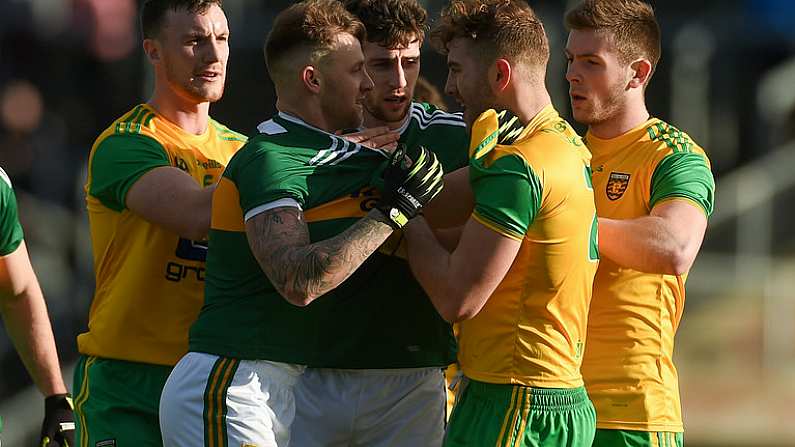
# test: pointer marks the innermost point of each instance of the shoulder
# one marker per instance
(426, 115)
(662, 139)
(225, 133)
(5, 184)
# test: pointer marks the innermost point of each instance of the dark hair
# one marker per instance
(631, 25)
(390, 23)
(313, 24)
(501, 28)
(154, 11)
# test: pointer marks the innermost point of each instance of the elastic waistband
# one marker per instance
(542, 399)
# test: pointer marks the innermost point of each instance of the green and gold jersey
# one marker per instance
(628, 366)
(537, 191)
(10, 229)
(379, 317)
(149, 281)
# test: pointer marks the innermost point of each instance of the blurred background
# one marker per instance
(68, 68)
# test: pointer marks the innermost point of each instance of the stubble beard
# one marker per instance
(378, 112)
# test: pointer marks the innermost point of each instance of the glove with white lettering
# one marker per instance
(410, 182)
(58, 428)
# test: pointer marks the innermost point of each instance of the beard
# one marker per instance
(349, 118)
(602, 110)
(197, 91)
(476, 105)
(376, 109)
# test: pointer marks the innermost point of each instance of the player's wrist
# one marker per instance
(390, 215)
(60, 400)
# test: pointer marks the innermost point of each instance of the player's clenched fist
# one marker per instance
(409, 183)
(58, 428)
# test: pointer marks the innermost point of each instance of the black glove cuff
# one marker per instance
(57, 401)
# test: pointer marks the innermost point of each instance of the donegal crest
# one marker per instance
(616, 185)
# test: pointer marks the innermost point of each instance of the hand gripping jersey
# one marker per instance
(628, 366)
(149, 281)
(10, 230)
(538, 191)
(379, 317)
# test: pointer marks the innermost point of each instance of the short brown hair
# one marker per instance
(631, 26)
(502, 28)
(313, 24)
(153, 12)
(390, 23)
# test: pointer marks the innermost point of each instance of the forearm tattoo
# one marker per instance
(300, 270)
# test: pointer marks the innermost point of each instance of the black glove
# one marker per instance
(58, 428)
(510, 126)
(409, 183)
(492, 128)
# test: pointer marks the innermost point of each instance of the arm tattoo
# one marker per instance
(302, 271)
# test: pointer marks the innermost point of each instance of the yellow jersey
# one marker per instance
(149, 281)
(628, 365)
(531, 331)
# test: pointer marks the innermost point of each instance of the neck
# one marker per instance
(527, 100)
(630, 116)
(190, 116)
(306, 109)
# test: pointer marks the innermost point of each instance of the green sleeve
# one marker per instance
(118, 162)
(10, 229)
(685, 175)
(266, 174)
(507, 194)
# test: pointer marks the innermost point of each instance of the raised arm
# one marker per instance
(170, 198)
(666, 241)
(460, 283)
(302, 271)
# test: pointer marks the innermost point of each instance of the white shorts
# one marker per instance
(370, 408)
(216, 401)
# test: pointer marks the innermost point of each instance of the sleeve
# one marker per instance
(684, 175)
(10, 230)
(118, 162)
(507, 195)
(268, 175)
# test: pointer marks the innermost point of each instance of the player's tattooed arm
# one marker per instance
(302, 271)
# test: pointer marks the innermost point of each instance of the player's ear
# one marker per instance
(499, 75)
(641, 72)
(311, 78)
(152, 50)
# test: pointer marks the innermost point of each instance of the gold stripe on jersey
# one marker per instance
(226, 214)
(356, 205)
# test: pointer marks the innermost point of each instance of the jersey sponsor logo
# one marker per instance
(106, 443)
(616, 185)
(191, 251)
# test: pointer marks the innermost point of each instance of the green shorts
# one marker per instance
(116, 402)
(632, 438)
(489, 414)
